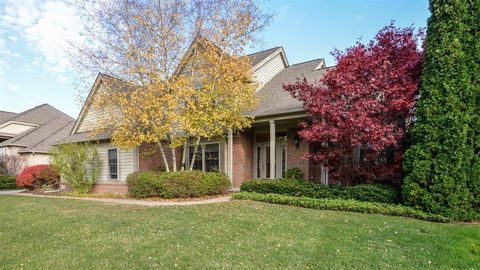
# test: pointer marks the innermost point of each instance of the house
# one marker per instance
(266, 150)
(29, 135)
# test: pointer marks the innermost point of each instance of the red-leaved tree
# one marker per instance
(360, 109)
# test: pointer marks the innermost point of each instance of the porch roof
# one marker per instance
(274, 100)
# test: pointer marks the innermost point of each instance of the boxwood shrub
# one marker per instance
(176, 184)
(7, 181)
(300, 188)
(342, 205)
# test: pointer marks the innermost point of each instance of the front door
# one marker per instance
(262, 159)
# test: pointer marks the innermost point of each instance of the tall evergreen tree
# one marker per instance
(442, 167)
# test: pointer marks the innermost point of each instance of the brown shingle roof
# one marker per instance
(275, 100)
(51, 123)
(257, 57)
(5, 116)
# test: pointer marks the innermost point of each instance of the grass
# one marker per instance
(53, 233)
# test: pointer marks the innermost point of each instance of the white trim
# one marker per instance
(275, 118)
(85, 108)
(272, 149)
(269, 57)
(230, 156)
(18, 123)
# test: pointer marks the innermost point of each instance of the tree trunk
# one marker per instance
(165, 161)
(174, 160)
(184, 155)
(194, 153)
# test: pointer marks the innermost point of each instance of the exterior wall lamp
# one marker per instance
(296, 141)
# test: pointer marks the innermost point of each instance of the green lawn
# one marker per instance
(59, 233)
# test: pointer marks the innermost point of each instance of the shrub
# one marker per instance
(442, 166)
(342, 205)
(35, 177)
(294, 173)
(176, 184)
(7, 181)
(300, 188)
(78, 164)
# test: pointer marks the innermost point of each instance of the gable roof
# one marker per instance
(5, 116)
(39, 115)
(275, 100)
(51, 123)
(257, 57)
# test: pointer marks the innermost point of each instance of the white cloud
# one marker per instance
(5, 84)
(47, 27)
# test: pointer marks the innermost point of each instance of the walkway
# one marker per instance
(125, 201)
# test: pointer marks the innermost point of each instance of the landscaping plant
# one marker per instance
(301, 188)
(77, 163)
(38, 176)
(363, 106)
(7, 181)
(191, 76)
(176, 184)
(342, 205)
(442, 167)
(294, 173)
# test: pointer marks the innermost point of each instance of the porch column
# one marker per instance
(272, 149)
(230, 156)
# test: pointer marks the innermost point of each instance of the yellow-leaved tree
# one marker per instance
(174, 69)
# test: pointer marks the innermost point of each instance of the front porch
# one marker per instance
(268, 149)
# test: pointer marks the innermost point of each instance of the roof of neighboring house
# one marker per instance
(53, 125)
(259, 56)
(275, 100)
(5, 116)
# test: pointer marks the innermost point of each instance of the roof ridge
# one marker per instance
(8, 112)
(307, 61)
(28, 131)
(51, 134)
(277, 47)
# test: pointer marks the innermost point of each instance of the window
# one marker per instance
(197, 165)
(113, 163)
(211, 157)
(207, 158)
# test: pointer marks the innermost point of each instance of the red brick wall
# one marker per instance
(296, 157)
(150, 158)
(110, 187)
(242, 157)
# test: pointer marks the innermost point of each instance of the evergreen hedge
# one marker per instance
(442, 167)
(301, 188)
(7, 181)
(176, 184)
(342, 205)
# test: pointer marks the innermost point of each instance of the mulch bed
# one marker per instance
(121, 196)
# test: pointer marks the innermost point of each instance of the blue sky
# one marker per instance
(34, 68)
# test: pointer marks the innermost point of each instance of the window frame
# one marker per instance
(118, 164)
(201, 153)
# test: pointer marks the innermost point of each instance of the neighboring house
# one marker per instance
(266, 150)
(29, 135)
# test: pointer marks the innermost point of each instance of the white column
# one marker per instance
(230, 156)
(272, 149)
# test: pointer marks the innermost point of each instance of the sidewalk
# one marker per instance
(124, 201)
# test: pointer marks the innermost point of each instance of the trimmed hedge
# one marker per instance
(300, 188)
(342, 205)
(176, 184)
(7, 182)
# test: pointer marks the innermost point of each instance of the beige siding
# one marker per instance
(128, 162)
(92, 117)
(269, 70)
